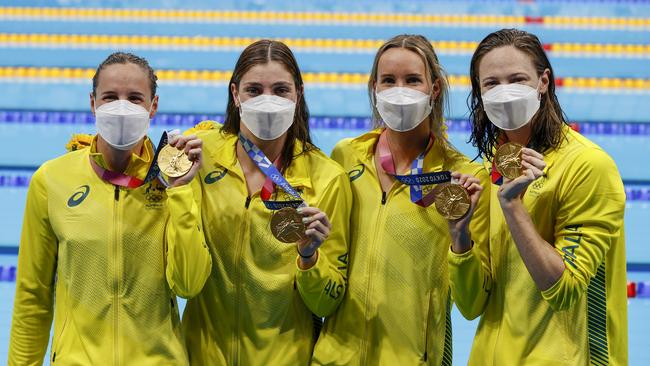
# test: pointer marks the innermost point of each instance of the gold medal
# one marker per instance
(451, 200)
(173, 162)
(287, 225)
(508, 160)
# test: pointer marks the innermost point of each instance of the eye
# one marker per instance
(109, 98)
(282, 90)
(413, 80)
(253, 91)
(519, 78)
(135, 100)
(489, 83)
(388, 80)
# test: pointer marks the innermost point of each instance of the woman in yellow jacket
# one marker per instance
(105, 247)
(550, 289)
(257, 306)
(397, 308)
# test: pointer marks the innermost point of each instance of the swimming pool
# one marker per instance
(604, 67)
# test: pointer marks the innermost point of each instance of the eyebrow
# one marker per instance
(407, 75)
(515, 74)
(256, 84)
(252, 83)
(112, 92)
(282, 83)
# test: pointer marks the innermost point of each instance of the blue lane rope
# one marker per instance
(7, 273)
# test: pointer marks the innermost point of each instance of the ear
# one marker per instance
(435, 90)
(301, 93)
(92, 103)
(154, 107)
(235, 94)
(544, 81)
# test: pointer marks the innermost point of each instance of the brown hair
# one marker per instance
(546, 123)
(421, 46)
(127, 58)
(263, 52)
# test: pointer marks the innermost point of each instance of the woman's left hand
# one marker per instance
(533, 166)
(317, 227)
(474, 189)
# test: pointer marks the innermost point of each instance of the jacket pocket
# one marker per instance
(57, 337)
(426, 306)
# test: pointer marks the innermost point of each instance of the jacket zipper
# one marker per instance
(503, 258)
(116, 279)
(248, 202)
(371, 265)
(238, 282)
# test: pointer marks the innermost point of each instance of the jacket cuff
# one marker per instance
(459, 259)
(313, 268)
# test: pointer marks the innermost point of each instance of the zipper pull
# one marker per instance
(383, 198)
(117, 193)
(248, 202)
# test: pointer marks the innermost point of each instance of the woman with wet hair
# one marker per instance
(551, 287)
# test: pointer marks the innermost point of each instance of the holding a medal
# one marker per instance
(414, 194)
(275, 212)
(553, 277)
(106, 247)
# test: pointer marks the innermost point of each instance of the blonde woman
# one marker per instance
(397, 307)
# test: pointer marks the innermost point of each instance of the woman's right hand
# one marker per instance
(193, 147)
(533, 166)
(459, 228)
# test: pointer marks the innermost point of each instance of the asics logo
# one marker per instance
(79, 196)
(355, 173)
(214, 176)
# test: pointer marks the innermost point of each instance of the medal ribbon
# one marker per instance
(273, 178)
(416, 179)
(123, 180)
(496, 177)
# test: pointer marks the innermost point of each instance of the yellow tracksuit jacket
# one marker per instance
(397, 307)
(256, 307)
(107, 264)
(578, 208)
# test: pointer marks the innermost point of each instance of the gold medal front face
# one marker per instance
(173, 162)
(508, 160)
(287, 225)
(451, 200)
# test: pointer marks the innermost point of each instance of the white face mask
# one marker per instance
(510, 106)
(267, 116)
(121, 123)
(402, 109)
